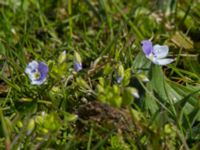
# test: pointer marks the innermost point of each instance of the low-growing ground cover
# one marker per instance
(100, 74)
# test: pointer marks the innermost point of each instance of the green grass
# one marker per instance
(107, 36)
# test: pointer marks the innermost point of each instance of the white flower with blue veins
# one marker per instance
(157, 53)
(37, 72)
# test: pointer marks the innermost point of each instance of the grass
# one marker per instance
(89, 109)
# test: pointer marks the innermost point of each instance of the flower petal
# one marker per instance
(43, 70)
(32, 66)
(37, 82)
(163, 62)
(147, 47)
(160, 51)
(78, 66)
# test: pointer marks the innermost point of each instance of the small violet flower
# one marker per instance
(37, 72)
(77, 66)
(156, 53)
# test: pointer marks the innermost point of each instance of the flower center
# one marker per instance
(151, 56)
(37, 75)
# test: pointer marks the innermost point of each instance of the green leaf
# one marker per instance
(141, 62)
(149, 100)
(186, 93)
(157, 81)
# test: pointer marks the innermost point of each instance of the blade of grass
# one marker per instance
(70, 19)
(90, 139)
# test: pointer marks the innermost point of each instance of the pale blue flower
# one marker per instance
(37, 72)
(156, 53)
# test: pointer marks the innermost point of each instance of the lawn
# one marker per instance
(100, 74)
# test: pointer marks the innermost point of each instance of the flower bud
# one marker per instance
(134, 92)
(77, 62)
(62, 57)
(143, 77)
(82, 83)
(120, 73)
(31, 126)
(77, 57)
(19, 124)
